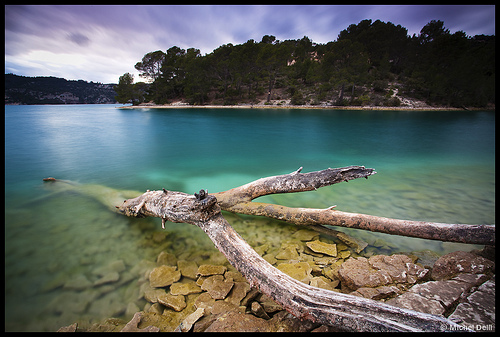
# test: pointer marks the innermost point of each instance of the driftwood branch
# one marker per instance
(239, 200)
(343, 311)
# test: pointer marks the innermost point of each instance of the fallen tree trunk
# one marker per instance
(239, 200)
(343, 311)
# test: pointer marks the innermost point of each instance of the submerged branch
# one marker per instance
(239, 200)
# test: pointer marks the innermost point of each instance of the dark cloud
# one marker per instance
(79, 39)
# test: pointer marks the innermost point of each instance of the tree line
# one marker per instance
(366, 62)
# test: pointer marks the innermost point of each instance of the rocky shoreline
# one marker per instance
(188, 292)
(408, 105)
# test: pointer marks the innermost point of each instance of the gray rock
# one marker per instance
(449, 265)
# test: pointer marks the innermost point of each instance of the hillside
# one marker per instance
(370, 64)
(53, 90)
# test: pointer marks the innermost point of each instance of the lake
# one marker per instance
(431, 166)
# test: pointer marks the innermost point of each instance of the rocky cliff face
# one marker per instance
(52, 90)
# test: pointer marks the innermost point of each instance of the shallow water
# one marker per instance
(434, 166)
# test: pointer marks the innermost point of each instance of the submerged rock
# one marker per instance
(163, 276)
(300, 271)
(322, 247)
(188, 268)
(208, 269)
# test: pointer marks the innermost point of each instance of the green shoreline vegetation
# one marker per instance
(371, 65)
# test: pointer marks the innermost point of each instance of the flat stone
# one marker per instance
(413, 301)
(163, 276)
(300, 271)
(188, 322)
(449, 265)
(208, 269)
(79, 282)
(217, 287)
(305, 235)
(400, 268)
(287, 253)
(238, 293)
(357, 273)
(323, 282)
(258, 310)
(176, 302)
(445, 292)
(108, 278)
(350, 241)
(204, 301)
(268, 304)
(151, 294)
(185, 288)
(223, 306)
(167, 259)
(478, 310)
(188, 268)
(236, 276)
(380, 270)
(116, 266)
(234, 321)
(322, 247)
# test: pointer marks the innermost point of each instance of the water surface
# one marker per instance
(432, 166)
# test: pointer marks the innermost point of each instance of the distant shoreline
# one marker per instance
(323, 107)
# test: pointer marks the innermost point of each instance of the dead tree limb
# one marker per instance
(239, 200)
(346, 312)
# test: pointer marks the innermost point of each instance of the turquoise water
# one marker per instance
(433, 166)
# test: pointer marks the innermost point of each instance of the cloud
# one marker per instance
(101, 43)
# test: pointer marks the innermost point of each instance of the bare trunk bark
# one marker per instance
(346, 312)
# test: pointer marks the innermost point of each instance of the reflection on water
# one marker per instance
(70, 259)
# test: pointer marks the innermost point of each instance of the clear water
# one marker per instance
(433, 166)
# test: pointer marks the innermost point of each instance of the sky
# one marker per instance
(101, 43)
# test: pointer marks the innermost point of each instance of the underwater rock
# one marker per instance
(204, 301)
(287, 252)
(209, 269)
(238, 292)
(454, 263)
(188, 322)
(323, 282)
(355, 243)
(322, 247)
(79, 282)
(188, 268)
(166, 259)
(108, 278)
(163, 276)
(300, 271)
(176, 302)
(258, 310)
(185, 288)
(235, 321)
(305, 235)
(217, 287)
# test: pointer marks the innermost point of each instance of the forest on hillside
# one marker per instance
(367, 63)
(54, 90)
